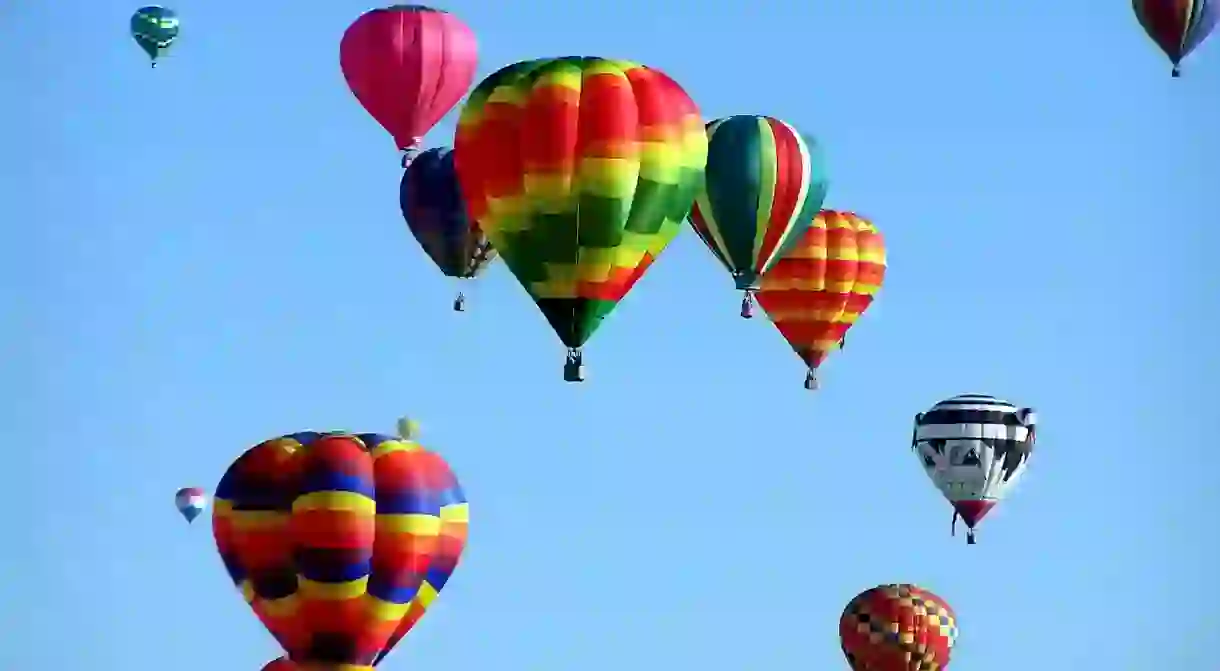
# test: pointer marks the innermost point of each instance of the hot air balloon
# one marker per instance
(339, 541)
(580, 171)
(408, 65)
(432, 204)
(897, 628)
(823, 285)
(974, 447)
(190, 501)
(154, 28)
(280, 664)
(764, 184)
(451, 542)
(1178, 27)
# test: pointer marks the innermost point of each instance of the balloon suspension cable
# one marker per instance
(1177, 72)
(574, 367)
(747, 305)
(811, 381)
(459, 303)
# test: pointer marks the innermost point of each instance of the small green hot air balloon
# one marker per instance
(154, 28)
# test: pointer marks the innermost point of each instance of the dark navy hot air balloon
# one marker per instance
(435, 212)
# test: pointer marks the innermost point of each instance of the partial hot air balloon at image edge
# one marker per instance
(386, 71)
(1176, 27)
(406, 489)
(575, 282)
(823, 285)
(154, 28)
(974, 448)
(435, 212)
(764, 183)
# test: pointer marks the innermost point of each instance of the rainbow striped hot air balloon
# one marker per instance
(580, 171)
(827, 280)
(763, 185)
(339, 541)
(191, 502)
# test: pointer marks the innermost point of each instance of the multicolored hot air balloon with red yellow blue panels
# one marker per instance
(764, 183)
(826, 281)
(580, 171)
(339, 541)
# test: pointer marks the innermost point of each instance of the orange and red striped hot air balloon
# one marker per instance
(823, 285)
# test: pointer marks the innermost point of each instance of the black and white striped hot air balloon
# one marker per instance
(974, 448)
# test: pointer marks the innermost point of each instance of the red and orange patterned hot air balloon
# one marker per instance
(897, 628)
(408, 65)
(339, 541)
(823, 285)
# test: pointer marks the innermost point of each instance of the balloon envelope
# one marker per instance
(191, 502)
(335, 538)
(827, 280)
(434, 210)
(974, 448)
(764, 184)
(408, 65)
(1177, 27)
(154, 28)
(897, 628)
(580, 171)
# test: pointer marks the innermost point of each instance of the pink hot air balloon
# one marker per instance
(408, 65)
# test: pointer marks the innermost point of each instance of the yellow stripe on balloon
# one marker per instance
(384, 611)
(394, 446)
(413, 523)
(456, 512)
(332, 500)
(332, 591)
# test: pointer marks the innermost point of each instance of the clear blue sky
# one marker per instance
(209, 254)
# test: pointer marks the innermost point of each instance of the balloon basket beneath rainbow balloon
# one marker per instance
(459, 303)
(811, 381)
(574, 367)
